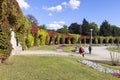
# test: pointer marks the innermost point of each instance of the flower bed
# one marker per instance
(100, 68)
(59, 48)
(117, 74)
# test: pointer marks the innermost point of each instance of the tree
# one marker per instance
(105, 29)
(63, 30)
(32, 19)
(85, 28)
(95, 31)
(75, 28)
(51, 30)
(34, 24)
(115, 30)
(42, 27)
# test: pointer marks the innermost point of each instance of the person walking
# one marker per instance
(81, 51)
(90, 49)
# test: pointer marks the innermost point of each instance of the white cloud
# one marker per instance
(57, 8)
(56, 25)
(61, 22)
(73, 4)
(50, 14)
(23, 4)
(64, 3)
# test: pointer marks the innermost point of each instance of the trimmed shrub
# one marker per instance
(101, 39)
(42, 37)
(96, 40)
(74, 38)
(30, 40)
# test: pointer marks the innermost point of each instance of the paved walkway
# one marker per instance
(98, 53)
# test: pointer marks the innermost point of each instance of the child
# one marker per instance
(81, 51)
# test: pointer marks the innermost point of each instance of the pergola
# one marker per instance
(57, 38)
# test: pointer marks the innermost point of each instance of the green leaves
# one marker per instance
(42, 36)
(30, 41)
(11, 16)
(105, 29)
(5, 46)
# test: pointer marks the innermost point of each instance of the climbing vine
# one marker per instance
(42, 36)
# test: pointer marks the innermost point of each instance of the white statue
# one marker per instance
(13, 39)
(16, 49)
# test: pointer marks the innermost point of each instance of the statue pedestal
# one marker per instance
(16, 50)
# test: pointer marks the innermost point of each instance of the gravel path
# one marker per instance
(98, 53)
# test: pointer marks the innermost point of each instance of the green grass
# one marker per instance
(45, 47)
(111, 67)
(49, 68)
(69, 48)
(114, 49)
(54, 48)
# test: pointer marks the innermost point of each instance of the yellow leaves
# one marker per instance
(1, 55)
(42, 36)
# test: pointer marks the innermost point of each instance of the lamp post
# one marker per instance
(91, 37)
(67, 38)
(67, 30)
(90, 46)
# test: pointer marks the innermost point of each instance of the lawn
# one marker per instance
(114, 49)
(45, 47)
(49, 68)
(65, 48)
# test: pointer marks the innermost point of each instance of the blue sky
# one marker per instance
(56, 13)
